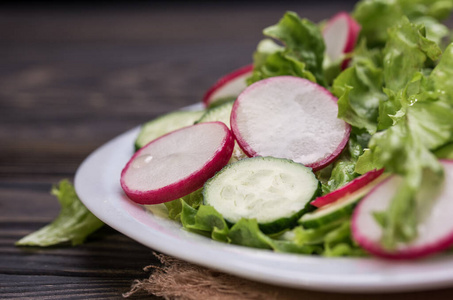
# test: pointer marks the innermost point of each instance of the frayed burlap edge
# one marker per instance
(181, 280)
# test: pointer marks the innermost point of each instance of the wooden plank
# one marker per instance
(178, 22)
(63, 287)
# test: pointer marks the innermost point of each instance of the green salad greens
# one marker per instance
(74, 223)
(397, 95)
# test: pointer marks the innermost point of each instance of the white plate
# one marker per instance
(97, 184)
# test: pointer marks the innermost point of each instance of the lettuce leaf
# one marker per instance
(344, 168)
(442, 76)
(206, 220)
(339, 242)
(435, 31)
(246, 232)
(377, 16)
(74, 223)
(279, 64)
(419, 119)
(334, 239)
(437, 9)
(359, 90)
(445, 152)
(175, 207)
(302, 54)
(406, 52)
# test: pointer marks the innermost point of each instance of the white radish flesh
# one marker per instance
(289, 117)
(340, 36)
(230, 85)
(435, 227)
(178, 163)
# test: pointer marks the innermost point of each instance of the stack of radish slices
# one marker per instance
(283, 117)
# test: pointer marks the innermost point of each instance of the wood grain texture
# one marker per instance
(72, 79)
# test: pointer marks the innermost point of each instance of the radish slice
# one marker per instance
(289, 117)
(340, 36)
(229, 86)
(178, 163)
(356, 188)
(435, 228)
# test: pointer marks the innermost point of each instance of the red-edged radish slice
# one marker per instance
(289, 117)
(230, 85)
(340, 36)
(435, 228)
(178, 163)
(358, 187)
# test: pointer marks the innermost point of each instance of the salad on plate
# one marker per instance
(336, 141)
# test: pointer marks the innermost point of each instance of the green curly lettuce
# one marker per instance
(73, 225)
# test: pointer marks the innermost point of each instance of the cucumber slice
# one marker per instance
(165, 124)
(222, 113)
(219, 113)
(274, 191)
(221, 101)
(329, 213)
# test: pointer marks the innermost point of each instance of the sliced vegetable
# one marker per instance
(177, 164)
(165, 124)
(222, 113)
(357, 187)
(434, 221)
(340, 36)
(273, 191)
(228, 87)
(289, 117)
(335, 211)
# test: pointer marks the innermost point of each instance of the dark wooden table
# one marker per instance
(72, 78)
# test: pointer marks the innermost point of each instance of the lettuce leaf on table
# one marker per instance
(74, 223)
